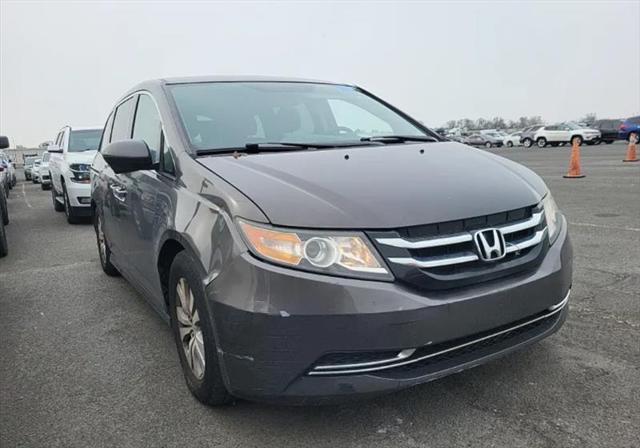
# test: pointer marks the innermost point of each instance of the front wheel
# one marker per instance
(488, 145)
(72, 217)
(103, 248)
(527, 143)
(510, 144)
(193, 332)
(541, 142)
(57, 206)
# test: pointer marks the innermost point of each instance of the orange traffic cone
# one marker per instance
(574, 162)
(631, 150)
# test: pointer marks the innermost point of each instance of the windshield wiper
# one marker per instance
(254, 148)
(398, 138)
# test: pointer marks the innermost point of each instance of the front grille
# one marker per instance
(444, 255)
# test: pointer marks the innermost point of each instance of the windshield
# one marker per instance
(86, 140)
(571, 125)
(226, 115)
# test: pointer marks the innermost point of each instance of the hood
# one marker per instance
(379, 187)
(85, 157)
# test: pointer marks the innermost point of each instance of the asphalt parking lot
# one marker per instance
(84, 361)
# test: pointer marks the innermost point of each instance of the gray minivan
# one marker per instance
(309, 242)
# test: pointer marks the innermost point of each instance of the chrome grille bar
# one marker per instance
(434, 262)
(535, 239)
(528, 223)
(424, 244)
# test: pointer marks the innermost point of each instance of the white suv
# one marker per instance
(562, 133)
(71, 157)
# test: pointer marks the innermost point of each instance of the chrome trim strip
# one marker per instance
(554, 309)
(533, 221)
(434, 262)
(423, 244)
(400, 356)
(535, 239)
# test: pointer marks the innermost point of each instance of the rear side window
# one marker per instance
(634, 120)
(122, 121)
(147, 125)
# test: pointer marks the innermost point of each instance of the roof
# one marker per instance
(238, 78)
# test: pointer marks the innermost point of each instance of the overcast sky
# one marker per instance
(67, 63)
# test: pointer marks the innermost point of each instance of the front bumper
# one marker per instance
(274, 324)
(79, 194)
(591, 137)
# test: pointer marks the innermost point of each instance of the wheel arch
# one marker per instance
(171, 244)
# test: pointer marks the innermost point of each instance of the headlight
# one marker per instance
(337, 253)
(79, 172)
(552, 215)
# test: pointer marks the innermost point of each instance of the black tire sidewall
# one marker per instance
(105, 263)
(210, 389)
(4, 247)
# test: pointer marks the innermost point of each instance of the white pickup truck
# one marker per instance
(71, 157)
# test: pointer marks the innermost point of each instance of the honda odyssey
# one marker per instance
(309, 242)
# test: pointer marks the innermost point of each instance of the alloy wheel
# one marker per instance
(189, 329)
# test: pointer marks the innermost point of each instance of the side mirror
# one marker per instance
(54, 148)
(127, 156)
(4, 142)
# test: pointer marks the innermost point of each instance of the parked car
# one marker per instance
(528, 135)
(44, 176)
(4, 211)
(512, 140)
(608, 130)
(630, 127)
(563, 133)
(69, 163)
(35, 171)
(243, 210)
(5, 177)
(7, 163)
(28, 165)
(486, 140)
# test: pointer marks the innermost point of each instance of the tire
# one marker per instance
(527, 143)
(488, 145)
(57, 206)
(541, 142)
(577, 139)
(72, 218)
(510, 144)
(44, 187)
(104, 253)
(205, 383)
(4, 209)
(632, 134)
(555, 145)
(4, 247)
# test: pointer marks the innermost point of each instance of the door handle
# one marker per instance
(119, 192)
